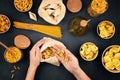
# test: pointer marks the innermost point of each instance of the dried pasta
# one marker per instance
(111, 58)
(4, 23)
(54, 31)
(62, 55)
(106, 29)
(47, 53)
(23, 5)
(88, 51)
(99, 6)
(13, 55)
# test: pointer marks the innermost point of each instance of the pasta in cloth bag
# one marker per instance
(47, 53)
(52, 11)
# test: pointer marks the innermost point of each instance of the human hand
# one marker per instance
(72, 64)
(35, 58)
(35, 55)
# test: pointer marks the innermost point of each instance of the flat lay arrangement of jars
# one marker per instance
(88, 28)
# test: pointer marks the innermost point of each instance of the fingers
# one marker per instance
(67, 52)
(59, 47)
(61, 53)
(32, 51)
(38, 54)
(39, 43)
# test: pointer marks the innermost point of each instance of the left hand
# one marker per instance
(35, 55)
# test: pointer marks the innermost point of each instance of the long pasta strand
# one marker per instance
(54, 31)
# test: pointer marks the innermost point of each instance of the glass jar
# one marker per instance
(97, 7)
(77, 27)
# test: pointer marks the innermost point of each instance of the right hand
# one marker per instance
(72, 65)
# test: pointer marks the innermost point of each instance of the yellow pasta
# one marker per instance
(62, 55)
(99, 6)
(109, 65)
(13, 55)
(47, 53)
(107, 59)
(106, 29)
(117, 56)
(115, 61)
(88, 51)
(111, 58)
(118, 67)
(54, 31)
(23, 5)
(114, 49)
(4, 23)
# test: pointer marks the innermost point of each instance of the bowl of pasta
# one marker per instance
(111, 58)
(89, 51)
(13, 54)
(106, 29)
(23, 5)
(4, 23)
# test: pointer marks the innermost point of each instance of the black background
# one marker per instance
(93, 69)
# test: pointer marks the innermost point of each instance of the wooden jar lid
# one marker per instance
(22, 42)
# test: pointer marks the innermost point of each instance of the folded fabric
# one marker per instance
(52, 11)
(49, 43)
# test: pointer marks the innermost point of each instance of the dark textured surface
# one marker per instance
(93, 69)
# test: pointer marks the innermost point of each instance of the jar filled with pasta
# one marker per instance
(97, 7)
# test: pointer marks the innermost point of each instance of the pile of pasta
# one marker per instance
(4, 23)
(89, 51)
(111, 58)
(47, 53)
(13, 55)
(62, 55)
(99, 6)
(106, 29)
(23, 5)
